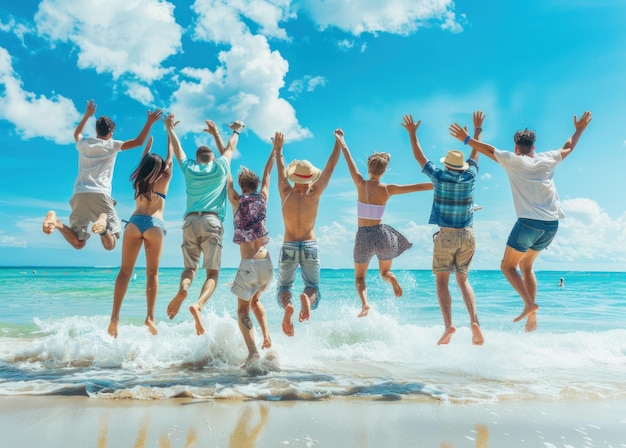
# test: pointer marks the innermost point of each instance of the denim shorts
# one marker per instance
(532, 234)
(303, 254)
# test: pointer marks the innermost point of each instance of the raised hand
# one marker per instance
(410, 125)
(154, 116)
(170, 121)
(479, 117)
(581, 124)
(91, 108)
(211, 127)
(458, 132)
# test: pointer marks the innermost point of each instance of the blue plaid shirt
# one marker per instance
(453, 195)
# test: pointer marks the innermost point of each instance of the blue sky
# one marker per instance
(306, 68)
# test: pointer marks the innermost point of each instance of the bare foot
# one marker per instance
(531, 322)
(174, 306)
(445, 339)
(364, 311)
(195, 312)
(113, 328)
(527, 310)
(397, 289)
(477, 335)
(305, 311)
(50, 222)
(287, 324)
(100, 226)
(151, 326)
(267, 342)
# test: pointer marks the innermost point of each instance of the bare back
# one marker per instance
(300, 204)
(154, 207)
(373, 192)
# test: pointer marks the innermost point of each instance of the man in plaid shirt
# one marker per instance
(453, 212)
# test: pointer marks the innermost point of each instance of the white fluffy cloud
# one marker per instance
(116, 36)
(373, 16)
(34, 115)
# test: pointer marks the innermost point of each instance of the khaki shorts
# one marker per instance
(254, 275)
(87, 207)
(453, 250)
(202, 235)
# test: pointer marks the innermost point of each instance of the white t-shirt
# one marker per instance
(532, 184)
(96, 161)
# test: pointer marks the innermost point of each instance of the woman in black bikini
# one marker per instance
(373, 237)
(151, 180)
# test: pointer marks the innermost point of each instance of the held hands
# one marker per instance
(409, 124)
(340, 137)
(581, 124)
(170, 122)
(279, 139)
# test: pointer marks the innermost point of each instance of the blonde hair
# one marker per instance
(377, 162)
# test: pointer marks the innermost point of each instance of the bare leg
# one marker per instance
(259, 312)
(153, 242)
(285, 300)
(131, 244)
(208, 287)
(307, 299)
(384, 266)
(185, 282)
(530, 281)
(360, 272)
(445, 304)
(100, 225)
(470, 304)
(245, 326)
(51, 222)
(508, 266)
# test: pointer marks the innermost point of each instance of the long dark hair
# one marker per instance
(149, 171)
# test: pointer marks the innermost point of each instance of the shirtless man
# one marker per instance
(300, 204)
(92, 201)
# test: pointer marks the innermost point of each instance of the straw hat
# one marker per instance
(455, 160)
(302, 172)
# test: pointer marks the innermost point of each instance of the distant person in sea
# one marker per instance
(151, 180)
(300, 204)
(562, 282)
(373, 237)
(453, 211)
(256, 271)
(536, 201)
(92, 201)
(205, 182)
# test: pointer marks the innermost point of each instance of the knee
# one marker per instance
(79, 244)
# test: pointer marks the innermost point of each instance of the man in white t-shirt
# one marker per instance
(92, 201)
(537, 205)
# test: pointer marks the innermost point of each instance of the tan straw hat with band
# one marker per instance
(302, 172)
(455, 160)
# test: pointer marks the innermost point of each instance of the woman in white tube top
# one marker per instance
(373, 237)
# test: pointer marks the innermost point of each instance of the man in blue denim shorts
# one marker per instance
(537, 205)
(453, 211)
(206, 186)
(300, 204)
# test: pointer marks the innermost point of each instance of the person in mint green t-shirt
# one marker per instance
(206, 186)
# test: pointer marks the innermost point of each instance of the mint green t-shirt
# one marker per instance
(206, 185)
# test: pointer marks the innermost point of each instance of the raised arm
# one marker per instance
(330, 167)
(233, 196)
(148, 147)
(276, 147)
(228, 152)
(153, 117)
(410, 188)
(91, 109)
(411, 128)
(479, 117)
(461, 133)
(211, 128)
(172, 138)
(283, 183)
(357, 178)
(580, 126)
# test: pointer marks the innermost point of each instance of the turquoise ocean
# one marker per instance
(53, 340)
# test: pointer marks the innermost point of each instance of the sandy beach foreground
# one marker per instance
(82, 422)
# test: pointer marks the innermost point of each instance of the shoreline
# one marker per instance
(62, 421)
